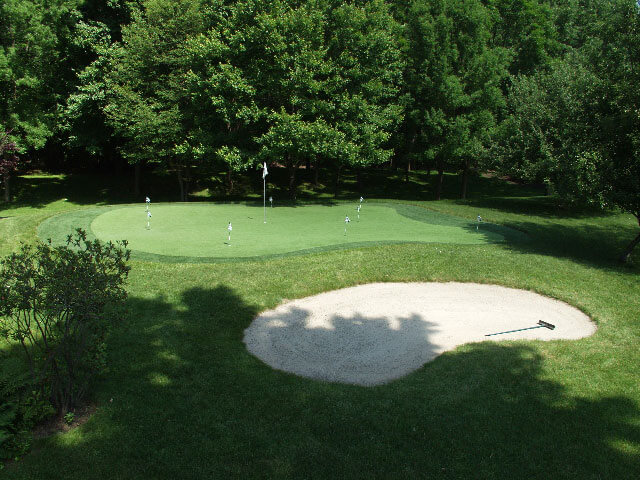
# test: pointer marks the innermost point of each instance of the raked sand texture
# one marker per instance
(372, 334)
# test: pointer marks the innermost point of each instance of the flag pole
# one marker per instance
(264, 190)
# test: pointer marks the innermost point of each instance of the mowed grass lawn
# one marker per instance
(198, 231)
(184, 399)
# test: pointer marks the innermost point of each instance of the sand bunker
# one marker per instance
(372, 334)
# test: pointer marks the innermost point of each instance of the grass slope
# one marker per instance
(183, 398)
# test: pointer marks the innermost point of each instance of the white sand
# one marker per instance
(372, 334)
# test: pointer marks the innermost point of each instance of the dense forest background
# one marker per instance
(544, 91)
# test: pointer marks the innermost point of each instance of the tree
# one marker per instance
(527, 29)
(146, 87)
(613, 46)
(454, 78)
(328, 84)
(551, 134)
(8, 162)
(576, 127)
(35, 68)
(85, 123)
(221, 87)
(58, 303)
(365, 48)
(292, 76)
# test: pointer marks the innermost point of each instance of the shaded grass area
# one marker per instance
(190, 402)
(184, 399)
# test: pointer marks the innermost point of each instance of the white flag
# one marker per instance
(264, 170)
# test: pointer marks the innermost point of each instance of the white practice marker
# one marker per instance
(148, 219)
(479, 220)
(361, 199)
(271, 201)
(346, 222)
(229, 228)
(358, 209)
(148, 201)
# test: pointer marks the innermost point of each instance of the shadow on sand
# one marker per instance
(356, 350)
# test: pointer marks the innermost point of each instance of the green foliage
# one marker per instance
(526, 28)
(612, 53)
(22, 406)
(35, 67)
(69, 417)
(58, 304)
(331, 90)
(547, 136)
(576, 126)
(252, 81)
(454, 77)
(146, 86)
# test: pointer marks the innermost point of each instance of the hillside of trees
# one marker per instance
(544, 91)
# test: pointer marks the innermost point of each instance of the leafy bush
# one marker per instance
(22, 406)
(58, 304)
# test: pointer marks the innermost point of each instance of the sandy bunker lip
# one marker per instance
(372, 334)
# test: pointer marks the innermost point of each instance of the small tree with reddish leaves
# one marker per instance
(8, 162)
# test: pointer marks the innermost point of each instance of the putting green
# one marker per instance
(198, 232)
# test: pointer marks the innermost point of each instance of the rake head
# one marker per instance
(544, 324)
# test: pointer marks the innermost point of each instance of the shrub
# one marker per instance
(22, 406)
(58, 304)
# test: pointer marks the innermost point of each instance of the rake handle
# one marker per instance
(541, 324)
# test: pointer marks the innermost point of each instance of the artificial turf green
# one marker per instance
(198, 231)
(184, 399)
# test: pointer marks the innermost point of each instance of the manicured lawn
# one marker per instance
(184, 399)
(199, 230)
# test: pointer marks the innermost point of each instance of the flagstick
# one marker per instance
(264, 190)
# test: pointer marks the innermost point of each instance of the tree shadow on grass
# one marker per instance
(40, 191)
(597, 246)
(84, 189)
(184, 399)
(537, 204)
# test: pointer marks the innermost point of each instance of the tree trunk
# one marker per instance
(181, 184)
(292, 181)
(337, 184)
(316, 171)
(409, 154)
(465, 180)
(627, 251)
(136, 178)
(117, 163)
(7, 191)
(439, 183)
(230, 180)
